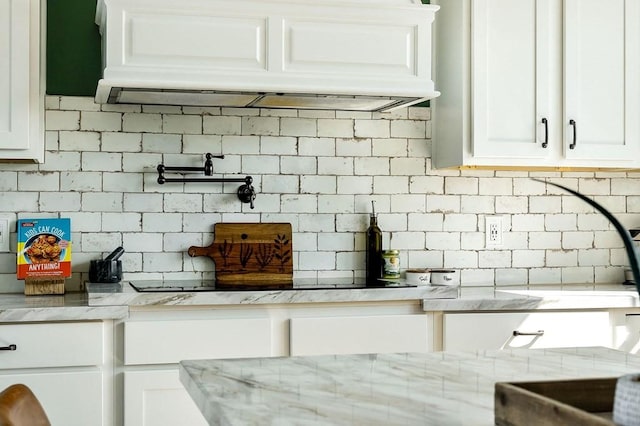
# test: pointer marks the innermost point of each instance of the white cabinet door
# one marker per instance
(476, 331)
(351, 335)
(157, 398)
(70, 398)
(537, 83)
(512, 77)
(601, 79)
(21, 82)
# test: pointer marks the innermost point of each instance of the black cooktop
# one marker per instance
(155, 286)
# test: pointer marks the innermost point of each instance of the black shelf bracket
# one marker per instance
(246, 193)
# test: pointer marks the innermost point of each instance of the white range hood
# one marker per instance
(362, 55)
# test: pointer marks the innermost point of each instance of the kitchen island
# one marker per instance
(441, 388)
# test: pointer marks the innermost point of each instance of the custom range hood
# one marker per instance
(360, 55)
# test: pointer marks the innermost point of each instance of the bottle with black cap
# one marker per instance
(374, 249)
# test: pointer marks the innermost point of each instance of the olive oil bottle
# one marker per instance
(374, 249)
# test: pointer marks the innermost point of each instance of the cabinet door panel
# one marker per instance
(476, 331)
(601, 79)
(68, 398)
(165, 342)
(349, 335)
(21, 85)
(511, 66)
(157, 398)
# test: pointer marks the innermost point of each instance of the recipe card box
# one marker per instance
(44, 248)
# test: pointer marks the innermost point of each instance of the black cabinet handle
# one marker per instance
(8, 348)
(546, 132)
(572, 123)
(532, 333)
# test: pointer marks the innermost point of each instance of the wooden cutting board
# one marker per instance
(255, 254)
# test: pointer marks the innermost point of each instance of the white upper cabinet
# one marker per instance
(537, 84)
(21, 81)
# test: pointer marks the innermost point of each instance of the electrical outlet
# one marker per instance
(4, 234)
(493, 231)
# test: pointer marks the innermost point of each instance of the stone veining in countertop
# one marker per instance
(124, 294)
(440, 388)
(68, 307)
(541, 297)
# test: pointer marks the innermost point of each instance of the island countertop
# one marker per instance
(440, 388)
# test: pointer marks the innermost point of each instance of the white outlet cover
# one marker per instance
(493, 231)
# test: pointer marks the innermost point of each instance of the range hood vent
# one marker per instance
(357, 55)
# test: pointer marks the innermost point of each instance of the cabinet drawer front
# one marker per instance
(68, 398)
(164, 342)
(476, 331)
(348, 335)
(51, 344)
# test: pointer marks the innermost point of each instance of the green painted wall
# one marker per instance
(73, 48)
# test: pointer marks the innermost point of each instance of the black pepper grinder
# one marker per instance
(374, 249)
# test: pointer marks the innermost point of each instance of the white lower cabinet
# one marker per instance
(158, 398)
(509, 330)
(362, 334)
(153, 393)
(62, 364)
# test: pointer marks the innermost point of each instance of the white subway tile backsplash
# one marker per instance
(408, 129)
(333, 128)
(59, 202)
(408, 166)
(187, 203)
(545, 240)
(78, 141)
(268, 126)
(123, 222)
(577, 275)
(317, 260)
(385, 147)
(461, 185)
(528, 258)
(545, 276)
(62, 120)
(19, 201)
(121, 142)
(101, 121)
(316, 147)
(39, 181)
(313, 184)
(138, 122)
(371, 128)
(461, 259)
(102, 202)
(319, 171)
(335, 203)
(390, 184)
(354, 185)
(81, 181)
(161, 222)
(162, 262)
(560, 222)
(496, 186)
(298, 127)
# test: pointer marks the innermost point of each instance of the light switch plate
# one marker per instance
(5, 233)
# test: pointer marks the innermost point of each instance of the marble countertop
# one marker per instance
(441, 388)
(539, 297)
(113, 301)
(124, 294)
(67, 307)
